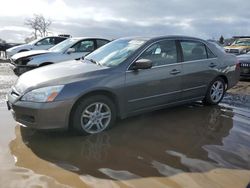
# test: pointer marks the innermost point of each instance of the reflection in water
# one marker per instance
(191, 138)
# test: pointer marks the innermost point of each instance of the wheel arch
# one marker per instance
(23, 50)
(225, 80)
(113, 97)
(45, 63)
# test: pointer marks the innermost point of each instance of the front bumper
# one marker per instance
(43, 116)
(20, 69)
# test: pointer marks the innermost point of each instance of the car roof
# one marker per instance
(155, 38)
(80, 38)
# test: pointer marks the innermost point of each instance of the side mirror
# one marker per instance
(70, 50)
(142, 64)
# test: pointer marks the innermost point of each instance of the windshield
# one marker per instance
(116, 52)
(242, 43)
(61, 47)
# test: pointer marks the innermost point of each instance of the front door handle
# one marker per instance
(175, 71)
(212, 65)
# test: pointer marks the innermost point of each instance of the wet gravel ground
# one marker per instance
(187, 146)
(7, 79)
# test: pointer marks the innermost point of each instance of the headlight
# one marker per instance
(46, 94)
(244, 51)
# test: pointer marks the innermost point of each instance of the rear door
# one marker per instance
(158, 85)
(199, 68)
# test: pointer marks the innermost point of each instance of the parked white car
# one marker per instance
(70, 49)
(38, 44)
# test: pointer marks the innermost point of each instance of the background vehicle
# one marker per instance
(123, 78)
(4, 46)
(244, 61)
(239, 46)
(39, 44)
(70, 49)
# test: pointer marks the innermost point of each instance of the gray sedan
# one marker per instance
(126, 77)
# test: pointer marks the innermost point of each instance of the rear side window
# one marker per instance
(161, 53)
(193, 50)
(210, 53)
(59, 39)
(100, 42)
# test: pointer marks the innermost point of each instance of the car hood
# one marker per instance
(29, 53)
(19, 47)
(56, 74)
(237, 47)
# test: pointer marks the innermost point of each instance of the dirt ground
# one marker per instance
(242, 88)
(190, 146)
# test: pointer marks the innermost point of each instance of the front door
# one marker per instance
(159, 85)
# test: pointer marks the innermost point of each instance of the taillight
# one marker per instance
(237, 64)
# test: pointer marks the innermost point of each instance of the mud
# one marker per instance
(188, 146)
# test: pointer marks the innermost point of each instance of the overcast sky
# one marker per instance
(118, 18)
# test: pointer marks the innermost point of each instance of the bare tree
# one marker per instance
(39, 24)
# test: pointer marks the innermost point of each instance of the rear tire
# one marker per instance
(93, 115)
(215, 92)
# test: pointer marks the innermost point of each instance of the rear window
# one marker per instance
(100, 42)
(59, 39)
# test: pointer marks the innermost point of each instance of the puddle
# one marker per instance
(188, 146)
(191, 138)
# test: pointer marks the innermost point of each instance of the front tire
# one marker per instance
(93, 115)
(215, 92)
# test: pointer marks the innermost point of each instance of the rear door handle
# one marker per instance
(175, 71)
(212, 65)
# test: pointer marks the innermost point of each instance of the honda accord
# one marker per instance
(123, 78)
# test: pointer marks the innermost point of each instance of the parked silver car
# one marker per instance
(38, 44)
(123, 78)
(70, 49)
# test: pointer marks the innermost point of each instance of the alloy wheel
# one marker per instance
(96, 117)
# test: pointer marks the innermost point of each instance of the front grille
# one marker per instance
(245, 65)
(234, 51)
(22, 61)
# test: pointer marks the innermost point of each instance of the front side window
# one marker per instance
(46, 41)
(161, 53)
(84, 46)
(116, 52)
(210, 53)
(193, 50)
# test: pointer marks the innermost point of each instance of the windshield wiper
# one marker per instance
(93, 61)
